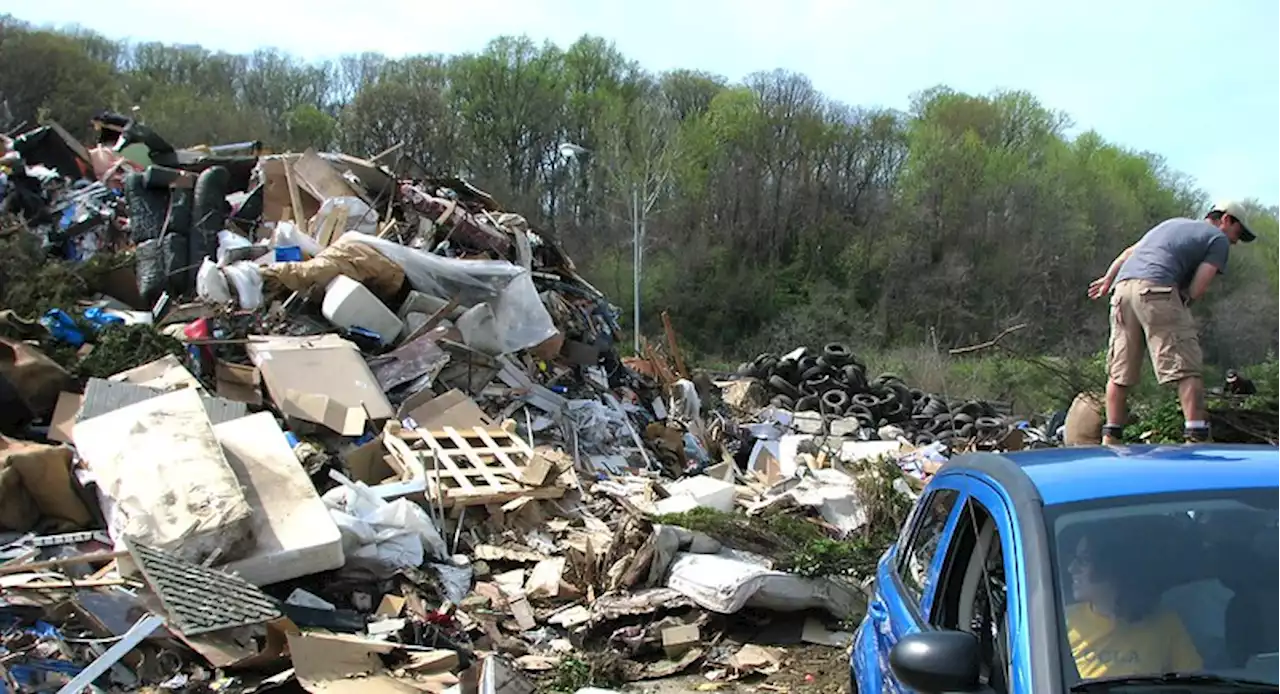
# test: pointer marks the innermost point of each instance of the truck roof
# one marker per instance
(1065, 475)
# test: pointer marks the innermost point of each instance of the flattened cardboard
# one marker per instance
(321, 379)
(64, 416)
(238, 382)
(452, 409)
(165, 374)
(367, 463)
(322, 409)
(332, 664)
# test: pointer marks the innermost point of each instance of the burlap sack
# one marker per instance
(1084, 421)
(356, 260)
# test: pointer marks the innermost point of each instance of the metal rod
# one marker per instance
(635, 269)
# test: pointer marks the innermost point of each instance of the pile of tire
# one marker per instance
(833, 382)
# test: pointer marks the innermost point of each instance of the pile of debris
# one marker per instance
(829, 392)
(326, 426)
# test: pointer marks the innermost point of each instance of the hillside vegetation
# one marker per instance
(773, 215)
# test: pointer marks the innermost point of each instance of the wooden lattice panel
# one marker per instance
(478, 466)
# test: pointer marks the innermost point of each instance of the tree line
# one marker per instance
(772, 214)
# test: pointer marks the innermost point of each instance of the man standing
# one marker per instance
(1154, 282)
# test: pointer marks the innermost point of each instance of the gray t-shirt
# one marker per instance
(1170, 253)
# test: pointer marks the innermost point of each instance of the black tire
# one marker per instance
(837, 354)
(895, 413)
(934, 407)
(817, 371)
(924, 438)
(787, 369)
(783, 402)
(904, 396)
(962, 419)
(965, 432)
(781, 386)
(819, 385)
(888, 377)
(746, 370)
(973, 408)
(867, 401)
(807, 362)
(989, 423)
(855, 378)
(768, 367)
(808, 403)
(835, 400)
(856, 410)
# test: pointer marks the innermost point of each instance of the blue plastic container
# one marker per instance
(289, 254)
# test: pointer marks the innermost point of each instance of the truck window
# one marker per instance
(914, 561)
(972, 592)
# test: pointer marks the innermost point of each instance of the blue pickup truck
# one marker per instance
(1126, 569)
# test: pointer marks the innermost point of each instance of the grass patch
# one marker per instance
(603, 670)
(120, 347)
(805, 547)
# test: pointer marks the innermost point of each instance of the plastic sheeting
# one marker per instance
(211, 285)
(214, 283)
(382, 536)
(519, 321)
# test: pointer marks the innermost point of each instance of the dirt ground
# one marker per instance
(807, 669)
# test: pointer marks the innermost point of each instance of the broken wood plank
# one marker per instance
(91, 557)
(295, 198)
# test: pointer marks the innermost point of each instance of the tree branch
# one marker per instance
(989, 343)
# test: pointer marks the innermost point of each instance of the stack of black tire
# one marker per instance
(834, 383)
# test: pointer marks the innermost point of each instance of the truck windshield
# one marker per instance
(1168, 583)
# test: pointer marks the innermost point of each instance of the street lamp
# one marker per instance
(569, 150)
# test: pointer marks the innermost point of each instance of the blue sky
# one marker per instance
(1196, 81)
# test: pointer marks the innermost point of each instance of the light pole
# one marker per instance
(569, 150)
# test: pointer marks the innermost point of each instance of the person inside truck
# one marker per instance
(1116, 626)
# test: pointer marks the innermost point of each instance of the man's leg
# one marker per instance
(1191, 397)
(1117, 411)
(1176, 356)
(1124, 361)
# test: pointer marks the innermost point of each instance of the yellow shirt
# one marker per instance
(1107, 647)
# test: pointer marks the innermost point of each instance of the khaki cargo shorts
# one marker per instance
(1143, 311)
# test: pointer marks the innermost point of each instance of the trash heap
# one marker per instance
(309, 424)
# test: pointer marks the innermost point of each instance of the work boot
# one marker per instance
(1112, 435)
(1196, 435)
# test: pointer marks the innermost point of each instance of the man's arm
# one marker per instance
(1200, 282)
(1102, 285)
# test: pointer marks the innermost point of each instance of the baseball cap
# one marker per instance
(1237, 211)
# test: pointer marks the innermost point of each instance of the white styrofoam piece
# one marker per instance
(705, 491)
(296, 535)
(349, 304)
